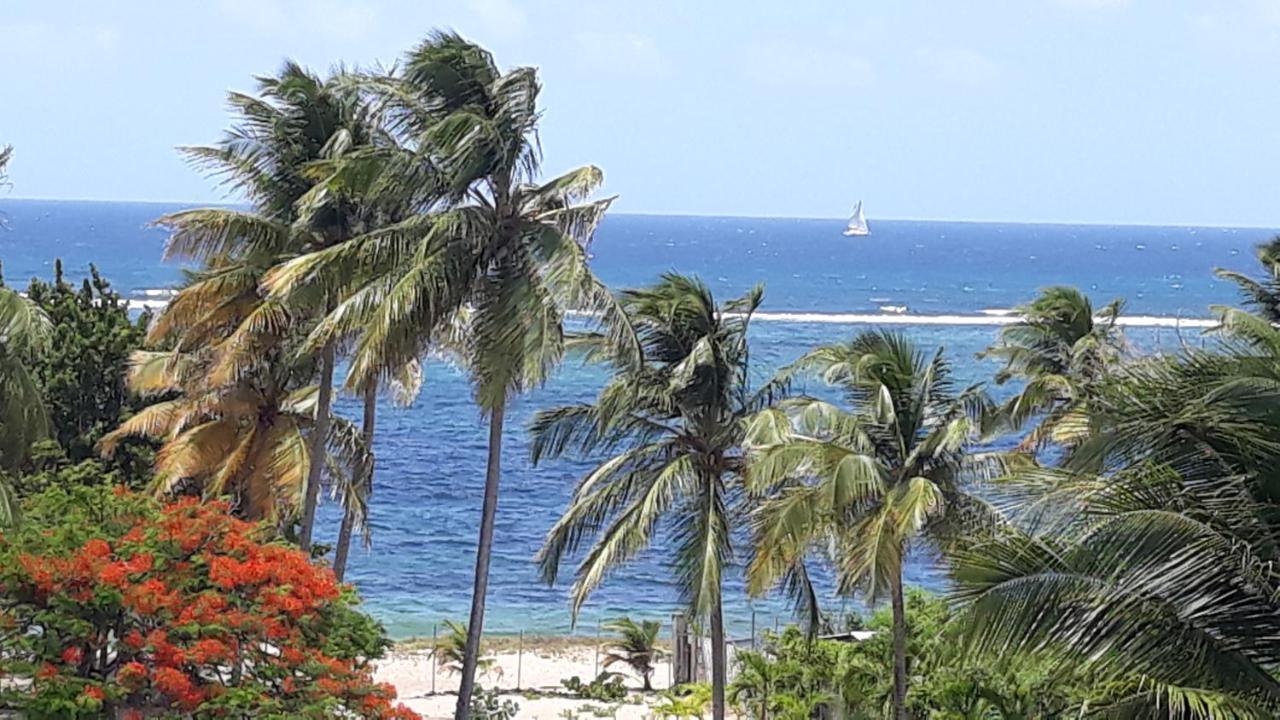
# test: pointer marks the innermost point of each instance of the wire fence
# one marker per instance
(532, 662)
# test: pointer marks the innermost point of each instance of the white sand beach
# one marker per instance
(531, 679)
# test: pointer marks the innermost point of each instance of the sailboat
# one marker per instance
(857, 223)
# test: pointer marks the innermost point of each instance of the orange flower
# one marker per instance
(94, 692)
(72, 655)
(97, 548)
(132, 675)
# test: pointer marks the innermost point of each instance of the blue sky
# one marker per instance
(1137, 111)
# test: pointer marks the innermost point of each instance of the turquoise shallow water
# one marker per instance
(431, 456)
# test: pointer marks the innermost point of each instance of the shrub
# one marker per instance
(487, 705)
(111, 605)
(686, 701)
(82, 376)
(607, 687)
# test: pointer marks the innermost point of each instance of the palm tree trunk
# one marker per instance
(343, 549)
(475, 627)
(319, 435)
(717, 660)
(899, 648)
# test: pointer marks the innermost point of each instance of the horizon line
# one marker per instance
(646, 213)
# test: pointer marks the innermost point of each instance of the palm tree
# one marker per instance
(6, 152)
(636, 646)
(247, 439)
(1150, 561)
(756, 684)
(1261, 295)
(864, 483)
(1058, 349)
(297, 119)
(24, 332)
(675, 422)
(499, 267)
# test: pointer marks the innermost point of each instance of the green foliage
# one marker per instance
(82, 375)
(487, 705)
(687, 701)
(607, 687)
(635, 646)
(1145, 558)
(794, 676)
(453, 647)
(25, 334)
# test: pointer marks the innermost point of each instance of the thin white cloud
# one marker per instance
(1092, 4)
(499, 17)
(106, 37)
(621, 52)
(962, 67)
(41, 38)
(808, 67)
(329, 19)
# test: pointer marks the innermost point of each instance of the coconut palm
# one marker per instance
(501, 265)
(1261, 295)
(247, 440)
(1150, 560)
(1058, 349)
(6, 152)
(636, 646)
(24, 332)
(860, 485)
(295, 120)
(673, 424)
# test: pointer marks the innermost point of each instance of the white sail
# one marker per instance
(858, 223)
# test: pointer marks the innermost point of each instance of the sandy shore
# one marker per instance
(531, 679)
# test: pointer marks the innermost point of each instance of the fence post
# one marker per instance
(671, 658)
(680, 650)
(753, 629)
(519, 659)
(597, 673)
(435, 651)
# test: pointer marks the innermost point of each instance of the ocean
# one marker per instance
(956, 280)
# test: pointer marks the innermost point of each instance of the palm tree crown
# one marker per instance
(861, 484)
(232, 348)
(1058, 349)
(675, 421)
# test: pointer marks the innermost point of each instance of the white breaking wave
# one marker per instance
(146, 303)
(150, 298)
(984, 318)
(987, 318)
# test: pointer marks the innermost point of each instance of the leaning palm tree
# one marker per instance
(861, 484)
(1058, 350)
(673, 424)
(295, 120)
(636, 647)
(501, 265)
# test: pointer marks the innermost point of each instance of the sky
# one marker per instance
(1100, 111)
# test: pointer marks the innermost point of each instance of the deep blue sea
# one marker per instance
(954, 279)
